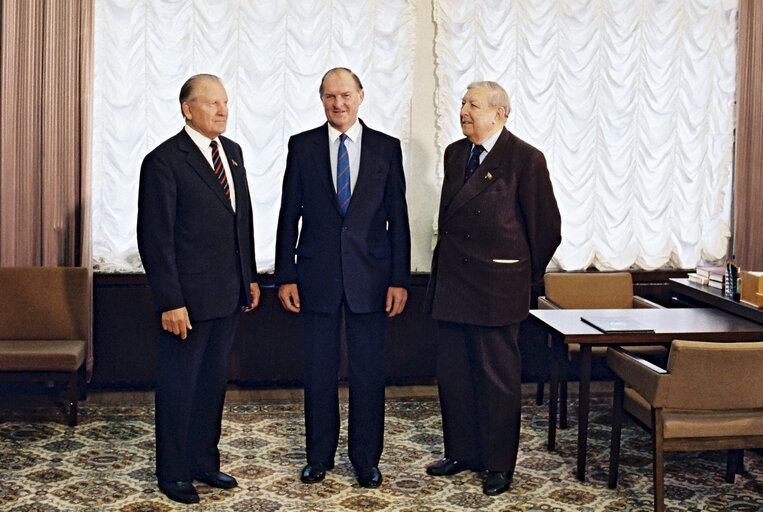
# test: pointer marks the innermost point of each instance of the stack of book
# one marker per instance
(708, 275)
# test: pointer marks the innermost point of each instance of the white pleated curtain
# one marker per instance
(270, 55)
(632, 103)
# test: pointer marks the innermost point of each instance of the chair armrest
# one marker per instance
(545, 303)
(640, 302)
(647, 379)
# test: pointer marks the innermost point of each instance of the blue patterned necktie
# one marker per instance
(343, 175)
(474, 162)
(219, 170)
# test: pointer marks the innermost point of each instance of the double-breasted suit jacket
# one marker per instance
(496, 234)
(358, 255)
(197, 252)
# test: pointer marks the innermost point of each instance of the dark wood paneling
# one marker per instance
(267, 351)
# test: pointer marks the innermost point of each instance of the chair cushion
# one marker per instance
(728, 423)
(586, 290)
(42, 355)
(680, 423)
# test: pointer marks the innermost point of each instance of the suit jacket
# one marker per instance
(506, 211)
(196, 251)
(359, 255)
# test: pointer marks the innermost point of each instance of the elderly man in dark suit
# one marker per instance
(498, 228)
(196, 241)
(345, 182)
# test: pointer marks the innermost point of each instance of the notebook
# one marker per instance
(615, 324)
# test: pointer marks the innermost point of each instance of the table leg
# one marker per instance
(553, 390)
(564, 372)
(583, 406)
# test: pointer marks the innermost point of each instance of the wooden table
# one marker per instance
(564, 326)
(704, 296)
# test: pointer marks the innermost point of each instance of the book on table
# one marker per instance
(696, 278)
(708, 270)
(615, 324)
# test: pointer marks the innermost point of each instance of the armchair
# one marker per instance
(589, 290)
(44, 326)
(709, 398)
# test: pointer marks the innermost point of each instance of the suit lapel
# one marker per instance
(367, 157)
(235, 164)
(322, 168)
(453, 181)
(199, 164)
(486, 174)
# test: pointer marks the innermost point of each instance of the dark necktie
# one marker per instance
(343, 175)
(474, 162)
(218, 168)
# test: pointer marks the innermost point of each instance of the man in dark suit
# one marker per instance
(498, 228)
(346, 183)
(196, 241)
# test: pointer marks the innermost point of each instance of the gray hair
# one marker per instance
(497, 96)
(187, 89)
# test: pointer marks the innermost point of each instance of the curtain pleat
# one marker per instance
(748, 189)
(632, 104)
(270, 56)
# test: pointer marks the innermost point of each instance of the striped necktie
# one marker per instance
(343, 175)
(218, 168)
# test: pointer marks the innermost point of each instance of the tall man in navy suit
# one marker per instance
(196, 241)
(351, 262)
(498, 228)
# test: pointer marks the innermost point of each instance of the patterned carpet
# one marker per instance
(107, 463)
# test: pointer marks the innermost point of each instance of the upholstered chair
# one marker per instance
(44, 327)
(710, 397)
(591, 290)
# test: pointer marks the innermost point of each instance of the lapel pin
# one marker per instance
(489, 176)
(235, 164)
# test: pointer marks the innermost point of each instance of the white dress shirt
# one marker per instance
(488, 145)
(203, 144)
(352, 143)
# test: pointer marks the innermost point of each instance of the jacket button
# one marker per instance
(344, 229)
(477, 212)
(465, 260)
(444, 232)
(467, 236)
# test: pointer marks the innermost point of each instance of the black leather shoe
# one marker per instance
(496, 483)
(314, 473)
(216, 479)
(371, 478)
(180, 491)
(449, 467)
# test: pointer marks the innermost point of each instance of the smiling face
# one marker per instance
(341, 99)
(478, 119)
(206, 110)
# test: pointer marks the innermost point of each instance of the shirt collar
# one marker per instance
(200, 140)
(353, 132)
(490, 141)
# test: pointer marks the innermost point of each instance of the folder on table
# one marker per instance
(615, 324)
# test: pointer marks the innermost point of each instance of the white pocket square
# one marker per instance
(505, 261)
